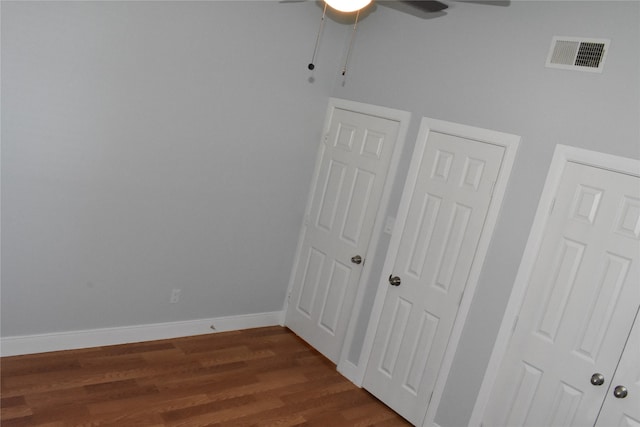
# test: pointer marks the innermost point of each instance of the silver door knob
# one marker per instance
(597, 379)
(394, 280)
(620, 392)
(357, 259)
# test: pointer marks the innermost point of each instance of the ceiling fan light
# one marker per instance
(347, 5)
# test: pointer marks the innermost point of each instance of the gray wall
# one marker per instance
(484, 66)
(147, 146)
(154, 145)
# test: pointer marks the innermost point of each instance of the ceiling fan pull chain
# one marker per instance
(353, 36)
(311, 65)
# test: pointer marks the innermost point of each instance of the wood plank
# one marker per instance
(257, 377)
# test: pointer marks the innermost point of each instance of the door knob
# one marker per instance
(394, 280)
(357, 259)
(620, 392)
(597, 379)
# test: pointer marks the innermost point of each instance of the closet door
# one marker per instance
(448, 197)
(581, 301)
(621, 407)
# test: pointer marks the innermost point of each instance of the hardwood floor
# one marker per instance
(256, 377)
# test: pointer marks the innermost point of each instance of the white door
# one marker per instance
(621, 407)
(346, 192)
(447, 208)
(581, 301)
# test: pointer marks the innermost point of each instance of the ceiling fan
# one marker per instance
(355, 5)
(419, 7)
(428, 6)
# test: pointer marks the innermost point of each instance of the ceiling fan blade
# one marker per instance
(488, 2)
(427, 5)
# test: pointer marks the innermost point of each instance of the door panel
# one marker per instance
(345, 196)
(580, 304)
(447, 210)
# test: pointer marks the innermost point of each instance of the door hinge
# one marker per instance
(515, 323)
(553, 204)
(493, 188)
(430, 397)
(460, 300)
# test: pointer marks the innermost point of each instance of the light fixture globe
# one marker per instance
(347, 5)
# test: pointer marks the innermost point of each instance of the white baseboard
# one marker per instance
(28, 344)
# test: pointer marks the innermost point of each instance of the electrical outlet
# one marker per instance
(175, 296)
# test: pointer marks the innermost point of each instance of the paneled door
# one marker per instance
(346, 194)
(580, 304)
(448, 201)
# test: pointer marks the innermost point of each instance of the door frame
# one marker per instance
(563, 154)
(403, 118)
(427, 125)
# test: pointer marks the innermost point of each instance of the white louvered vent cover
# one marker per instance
(575, 53)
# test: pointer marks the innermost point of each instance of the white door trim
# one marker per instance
(562, 155)
(510, 143)
(403, 118)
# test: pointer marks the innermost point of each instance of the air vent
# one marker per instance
(581, 54)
